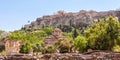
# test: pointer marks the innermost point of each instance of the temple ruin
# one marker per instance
(56, 34)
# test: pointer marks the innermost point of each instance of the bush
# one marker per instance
(80, 43)
(116, 47)
(26, 48)
(49, 49)
(103, 35)
(63, 45)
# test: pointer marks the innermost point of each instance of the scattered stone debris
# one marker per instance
(17, 57)
(95, 55)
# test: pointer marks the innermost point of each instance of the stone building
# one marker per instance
(56, 34)
(12, 46)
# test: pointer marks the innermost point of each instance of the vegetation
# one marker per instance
(104, 34)
(33, 38)
(2, 34)
(63, 45)
(80, 43)
(49, 49)
(26, 48)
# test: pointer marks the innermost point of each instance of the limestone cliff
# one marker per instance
(80, 18)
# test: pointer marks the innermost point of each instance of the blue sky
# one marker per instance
(16, 13)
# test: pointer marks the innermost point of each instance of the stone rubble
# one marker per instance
(96, 55)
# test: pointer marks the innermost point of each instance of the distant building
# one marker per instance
(56, 34)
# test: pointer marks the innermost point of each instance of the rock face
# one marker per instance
(66, 18)
(56, 34)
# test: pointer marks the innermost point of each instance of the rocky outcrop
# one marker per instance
(70, 18)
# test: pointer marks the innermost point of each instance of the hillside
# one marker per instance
(81, 18)
(76, 32)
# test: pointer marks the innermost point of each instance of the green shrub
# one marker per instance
(80, 43)
(49, 49)
(116, 47)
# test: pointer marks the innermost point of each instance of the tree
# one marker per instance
(80, 43)
(2, 34)
(75, 33)
(49, 49)
(63, 45)
(65, 28)
(48, 30)
(26, 48)
(104, 34)
(1, 31)
(30, 37)
(38, 47)
(118, 13)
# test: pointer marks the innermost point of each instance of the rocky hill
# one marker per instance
(81, 18)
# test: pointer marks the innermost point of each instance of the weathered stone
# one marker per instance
(99, 55)
(56, 34)
(80, 18)
(12, 46)
(96, 55)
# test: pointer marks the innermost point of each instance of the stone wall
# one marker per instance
(12, 46)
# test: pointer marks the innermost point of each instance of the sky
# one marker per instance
(16, 13)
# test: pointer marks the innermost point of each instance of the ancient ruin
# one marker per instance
(56, 34)
(12, 46)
